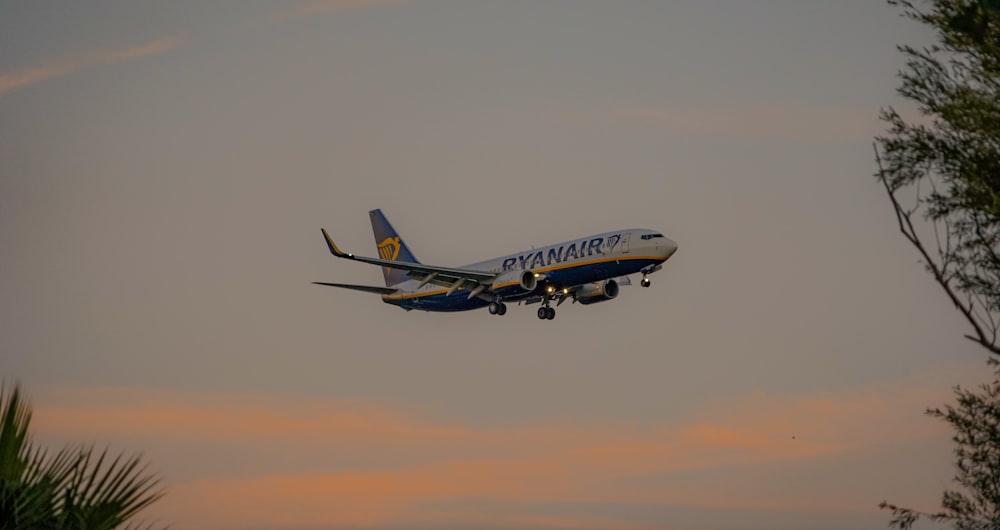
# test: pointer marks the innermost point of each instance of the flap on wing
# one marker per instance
(444, 278)
(363, 288)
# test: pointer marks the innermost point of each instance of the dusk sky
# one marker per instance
(165, 168)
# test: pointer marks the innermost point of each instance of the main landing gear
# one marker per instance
(545, 312)
(497, 308)
(645, 282)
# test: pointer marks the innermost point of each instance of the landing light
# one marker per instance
(537, 275)
(565, 291)
(551, 289)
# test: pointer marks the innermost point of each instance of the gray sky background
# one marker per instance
(165, 169)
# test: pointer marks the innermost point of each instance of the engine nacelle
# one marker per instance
(597, 292)
(523, 279)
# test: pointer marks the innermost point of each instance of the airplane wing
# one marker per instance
(364, 288)
(445, 276)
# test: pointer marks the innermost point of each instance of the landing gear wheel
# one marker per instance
(543, 313)
(501, 308)
(645, 282)
(550, 313)
(494, 308)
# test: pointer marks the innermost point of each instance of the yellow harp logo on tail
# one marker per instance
(389, 248)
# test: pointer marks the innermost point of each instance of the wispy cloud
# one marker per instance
(316, 7)
(343, 463)
(18, 79)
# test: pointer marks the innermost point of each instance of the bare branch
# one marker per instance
(903, 217)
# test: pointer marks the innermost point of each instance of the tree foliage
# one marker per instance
(976, 421)
(948, 160)
(72, 489)
(944, 168)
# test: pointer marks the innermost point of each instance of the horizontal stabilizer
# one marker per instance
(363, 288)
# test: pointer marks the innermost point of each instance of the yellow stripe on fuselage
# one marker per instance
(537, 271)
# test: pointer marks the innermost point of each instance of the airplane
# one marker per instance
(588, 270)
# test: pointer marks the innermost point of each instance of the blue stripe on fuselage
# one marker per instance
(559, 277)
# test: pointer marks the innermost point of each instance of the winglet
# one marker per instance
(333, 247)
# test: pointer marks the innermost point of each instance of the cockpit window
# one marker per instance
(651, 236)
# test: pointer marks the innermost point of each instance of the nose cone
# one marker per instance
(668, 247)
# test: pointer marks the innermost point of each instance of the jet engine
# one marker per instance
(596, 292)
(524, 279)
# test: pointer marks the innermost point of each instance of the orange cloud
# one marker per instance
(19, 79)
(367, 499)
(725, 437)
(413, 460)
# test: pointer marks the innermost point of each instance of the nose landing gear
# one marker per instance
(646, 271)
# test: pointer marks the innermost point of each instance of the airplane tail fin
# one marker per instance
(390, 247)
